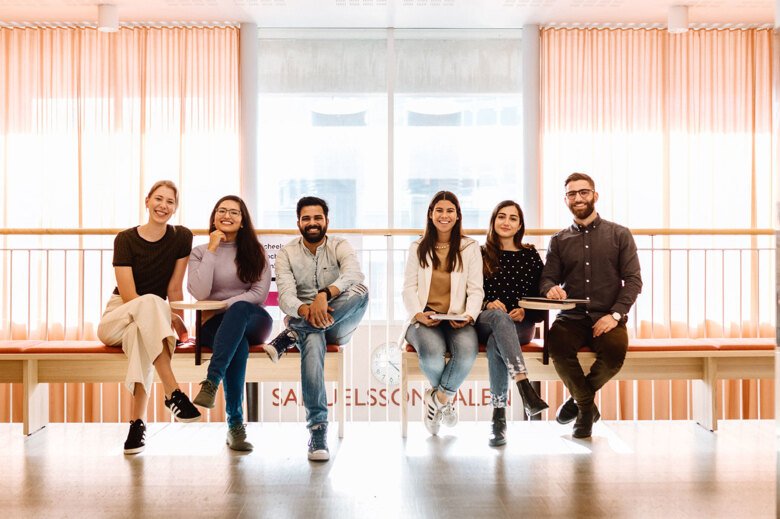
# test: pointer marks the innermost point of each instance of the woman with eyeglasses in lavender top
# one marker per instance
(232, 267)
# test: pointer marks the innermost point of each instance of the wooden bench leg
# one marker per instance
(404, 392)
(705, 396)
(341, 397)
(35, 412)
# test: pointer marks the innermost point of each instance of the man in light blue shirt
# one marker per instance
(321, 290)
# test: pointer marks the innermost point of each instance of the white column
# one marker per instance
(247, 71)
(531, 199)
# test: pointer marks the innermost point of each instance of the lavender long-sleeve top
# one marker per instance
(213, 276)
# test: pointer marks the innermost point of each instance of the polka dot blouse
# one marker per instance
(518, 276)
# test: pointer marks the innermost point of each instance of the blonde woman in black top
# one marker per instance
(149, 263)
(511, 270)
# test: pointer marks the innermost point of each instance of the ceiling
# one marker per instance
(478, 14)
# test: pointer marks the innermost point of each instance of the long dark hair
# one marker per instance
(428, 243)
(250, 257)
(491, 251)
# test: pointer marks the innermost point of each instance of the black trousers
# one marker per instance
(567, 336)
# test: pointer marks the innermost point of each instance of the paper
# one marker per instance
(448, 317)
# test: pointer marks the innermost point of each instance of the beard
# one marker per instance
(313, 237)
(583, 212)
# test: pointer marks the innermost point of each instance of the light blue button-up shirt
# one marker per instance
(300, 274)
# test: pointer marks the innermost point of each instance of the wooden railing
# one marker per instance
(398, 232)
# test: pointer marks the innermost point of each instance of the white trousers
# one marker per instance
(140, 326)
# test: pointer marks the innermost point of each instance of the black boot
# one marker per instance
(586, 417)
(532, 402)
(498, 436)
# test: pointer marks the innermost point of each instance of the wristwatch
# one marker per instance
(616, 316)
(325, 291)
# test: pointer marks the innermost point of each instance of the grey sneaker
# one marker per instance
(449, 415)
(206, 395)
(280, 344)
(236, 438)
(432, 417)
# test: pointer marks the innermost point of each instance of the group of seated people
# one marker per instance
(457, 294)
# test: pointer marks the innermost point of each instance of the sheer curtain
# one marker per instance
(89, 121)
(677, 132)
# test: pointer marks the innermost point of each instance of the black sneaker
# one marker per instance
(318, 444)
(281, 343)
(181, 408)
(136, 437)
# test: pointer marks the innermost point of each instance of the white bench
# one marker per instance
(37, 363)
(703, 360)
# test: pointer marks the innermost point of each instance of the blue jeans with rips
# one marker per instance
(502, 336)
(230, 335)
(432, 343)
(348, 310)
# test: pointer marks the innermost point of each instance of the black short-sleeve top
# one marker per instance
(152, 261)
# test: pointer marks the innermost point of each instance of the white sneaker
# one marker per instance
(432, 417)
(449, 415)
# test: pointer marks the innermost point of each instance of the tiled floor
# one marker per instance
(628, 469)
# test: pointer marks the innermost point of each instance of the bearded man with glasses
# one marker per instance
(596, 261)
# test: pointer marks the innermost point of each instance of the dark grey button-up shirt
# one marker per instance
(598, 263)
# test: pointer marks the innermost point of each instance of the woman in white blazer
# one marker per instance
(443, 280)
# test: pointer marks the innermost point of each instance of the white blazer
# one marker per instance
(466, 292)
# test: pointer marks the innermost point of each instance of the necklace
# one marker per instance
(440, 246)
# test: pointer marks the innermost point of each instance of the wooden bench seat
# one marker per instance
(35, 363)
(704, 361)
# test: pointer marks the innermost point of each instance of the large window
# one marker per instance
(376, 122)
(322, 113)
(323, 116)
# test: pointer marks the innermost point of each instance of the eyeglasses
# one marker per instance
(235, 213)
(584, 193)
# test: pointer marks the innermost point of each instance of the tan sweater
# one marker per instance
(439, 294)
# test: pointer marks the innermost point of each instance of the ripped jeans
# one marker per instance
(348, 309)
(503, 338)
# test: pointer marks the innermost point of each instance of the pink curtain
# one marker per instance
(88, 121)
(677, 132)
(91, 119)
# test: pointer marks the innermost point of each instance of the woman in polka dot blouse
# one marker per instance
(512, 270)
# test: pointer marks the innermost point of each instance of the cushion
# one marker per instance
(744, 344)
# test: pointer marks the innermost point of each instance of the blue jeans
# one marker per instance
(230, 335)
(503, 337)
(432, 343)
(348, 310)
